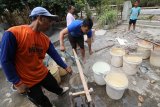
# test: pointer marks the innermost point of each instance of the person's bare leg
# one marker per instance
(134, 26)
(129, 27)
(78, 47)
(89, 41)
(83, 55)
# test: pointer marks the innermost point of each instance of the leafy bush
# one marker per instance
(146, 3)
(108, 17)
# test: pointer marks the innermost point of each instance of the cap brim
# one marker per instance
(50, 15)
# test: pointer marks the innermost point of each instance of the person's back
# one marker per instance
(31, 50)
(134, 13)
(70, 18)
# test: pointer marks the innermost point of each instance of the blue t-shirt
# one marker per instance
(134, 13)
(74, 29)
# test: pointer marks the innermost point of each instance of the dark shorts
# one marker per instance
(132, 21)
(76, 40)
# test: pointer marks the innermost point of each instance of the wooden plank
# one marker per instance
(88, 96)
(80, 93)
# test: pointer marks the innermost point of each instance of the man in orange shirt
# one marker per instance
(23, 49)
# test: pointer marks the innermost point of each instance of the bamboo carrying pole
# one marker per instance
(88, 96)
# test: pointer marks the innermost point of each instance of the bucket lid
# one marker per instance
(145, 44)
(132, 59)
(117, 80)
(117, 51)
(101, 68)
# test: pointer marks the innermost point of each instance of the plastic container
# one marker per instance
(130, 64)
(155, 57)
(62, 72)
(117, 56)
(116, 83)
(144, 47)
(55, 72)
(100, 69)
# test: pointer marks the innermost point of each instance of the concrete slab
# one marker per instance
(100, 32)
(151, 11)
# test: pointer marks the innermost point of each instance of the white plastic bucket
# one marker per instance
(144, 47)
(155, 57)
(100, 69)
(117, 56)
(130, 64)
(116, 83)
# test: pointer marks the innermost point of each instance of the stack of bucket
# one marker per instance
(148, 50)
(129, 62)
(144, 48)
(56, 70)
(155, 56)
(116, 83)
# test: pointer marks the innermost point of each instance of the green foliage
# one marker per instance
(10, 5)
(146, 3)
(94, 3)
(58, 7)
(108, 17)
(79, 4)
(106, 14)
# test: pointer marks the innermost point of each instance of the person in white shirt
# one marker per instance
(70, 16)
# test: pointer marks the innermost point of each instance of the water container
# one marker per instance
(130, 64)
(144, 47)
(117, 56)
(100, 69)
(155, 57)
(116, 83)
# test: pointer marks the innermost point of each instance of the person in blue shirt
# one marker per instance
(76, 31)
(135, 11)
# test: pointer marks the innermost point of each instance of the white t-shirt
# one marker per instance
(69, 19)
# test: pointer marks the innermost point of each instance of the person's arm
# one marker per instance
(89, 41)
(130, 11)
(56, 57)
(139, 11)
(61, 38)
(63, 33)
(8, 51)
(89, 34)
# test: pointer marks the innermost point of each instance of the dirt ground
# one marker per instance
(139, 84)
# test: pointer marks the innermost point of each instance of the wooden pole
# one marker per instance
(82, 78)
